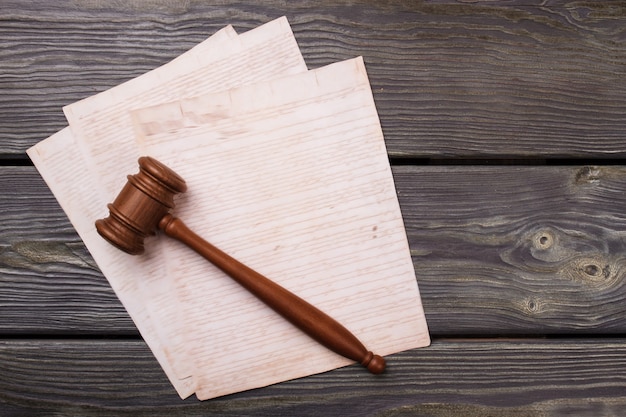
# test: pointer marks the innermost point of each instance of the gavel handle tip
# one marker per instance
(374, 363)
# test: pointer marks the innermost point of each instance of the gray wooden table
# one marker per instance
(505, 124)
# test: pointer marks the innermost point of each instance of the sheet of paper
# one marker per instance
(102, 122)
(79, 192)
(291, 177)
(104, 152)
(60, 163)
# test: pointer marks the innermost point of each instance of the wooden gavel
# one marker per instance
(143, 205)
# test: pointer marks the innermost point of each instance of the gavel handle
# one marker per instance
(300, 313)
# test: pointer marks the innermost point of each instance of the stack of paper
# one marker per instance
(287, 172)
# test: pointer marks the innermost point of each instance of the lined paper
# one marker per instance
(104, 152)
(296, 185)
(287, 172)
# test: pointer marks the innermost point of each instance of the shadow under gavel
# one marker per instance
(143, 206)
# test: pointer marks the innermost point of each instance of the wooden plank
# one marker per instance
(518, 249)
(49, 283)
(497, 250)
(454, 377)
(506, 79)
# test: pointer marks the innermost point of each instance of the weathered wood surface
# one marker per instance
(45, 270)
(497, 250)
(521, 251)
(517, 249)
(517, 78)
(451, 378)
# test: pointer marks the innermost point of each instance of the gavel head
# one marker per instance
(142, 203)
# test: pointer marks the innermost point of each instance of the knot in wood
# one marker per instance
(532, 306)
(598, 272)
(588, 175)
(543, 240)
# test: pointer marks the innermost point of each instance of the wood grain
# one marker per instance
(497, 250)
(506, 79)
(45, 269)
(450, 378)
(502, 250)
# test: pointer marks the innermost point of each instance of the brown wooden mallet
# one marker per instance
(143, 206)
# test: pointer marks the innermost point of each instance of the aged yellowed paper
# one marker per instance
(104, 151)
(75, 183)
(65, 171)
(291, 177)
(102, 122)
